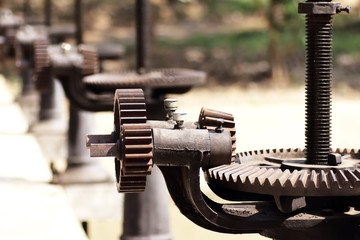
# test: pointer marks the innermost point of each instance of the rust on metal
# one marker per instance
(103, 150)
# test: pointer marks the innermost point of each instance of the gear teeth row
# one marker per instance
(90, 63)
(344, 151)
(137, 141)
(258, 154)
(155, 78)
(10, 35)
(131, 184)
(43, 72)
(136, 138)
(208, 120)
(275, 181)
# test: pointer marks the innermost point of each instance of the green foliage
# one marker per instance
(345, 41)
(221, 8)
(248, 42)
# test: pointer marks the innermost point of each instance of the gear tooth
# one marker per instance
(354, 180)
(267, 150)
(261, 178)
(355, 153)
(352, 151)
(289, 150)
(233, 170)
(251, 178)
(291, 180)
(244, 175)
(221, 172)
(323, 181)
(281, 180)
(272, 178)
(313, 180)
(342, 179)
(214, 170)
(333, 180)
(303, 179)
(261, 151)
(235, 176)
(357, 173)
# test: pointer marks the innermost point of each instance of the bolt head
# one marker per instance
(179, 116)
(334, 159)
(170, 104)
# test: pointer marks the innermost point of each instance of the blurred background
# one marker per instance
(237, 42)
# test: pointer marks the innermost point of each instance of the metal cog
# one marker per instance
(208, 120)
(10, 35)
(263, 172)
(135, 137)
(157, 78)
(43, 73)
(90, 63)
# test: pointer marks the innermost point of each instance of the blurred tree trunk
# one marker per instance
(279, 73)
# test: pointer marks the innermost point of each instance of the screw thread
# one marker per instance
(318, 88)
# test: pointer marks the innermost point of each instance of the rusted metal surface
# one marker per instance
(260, 172)
(209, 119)
(318, 79)
(138, 143)
(155, 78)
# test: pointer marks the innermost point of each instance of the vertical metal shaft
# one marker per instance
(78, 21)
(318, 87)
(141, 9)
(48, 13)
(27, 10)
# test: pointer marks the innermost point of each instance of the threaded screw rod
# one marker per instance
(141, 35)
(318, 88)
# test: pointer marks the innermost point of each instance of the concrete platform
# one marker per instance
(30, 208)
(36, 211)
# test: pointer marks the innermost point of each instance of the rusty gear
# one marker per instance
(43, 73)
(10, 36)
(171, 78)
(208, 119)
(135, 137)
(263, 172)
(43, 65)
(90, 63)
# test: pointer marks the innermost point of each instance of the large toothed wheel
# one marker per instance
(155, 78)
(134, 162)
(208, 119)
(283, 173)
